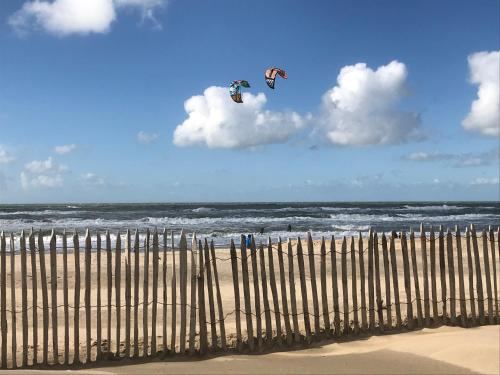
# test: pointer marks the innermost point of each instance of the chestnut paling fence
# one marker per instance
(152, 295)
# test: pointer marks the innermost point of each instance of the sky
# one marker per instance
(128, 101)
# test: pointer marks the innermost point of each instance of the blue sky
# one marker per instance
(378, 104)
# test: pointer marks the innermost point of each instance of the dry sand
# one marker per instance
(445, 350)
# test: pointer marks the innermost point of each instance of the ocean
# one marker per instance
(222, 221)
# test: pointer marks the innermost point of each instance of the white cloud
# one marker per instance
(361, 109)
(485, 181)
(215, 121)
(64, 149)
(5, 157)
(426, 156)
(146, 138)
(65, 17)
(460, 160)
(91, 179)
(484, 115)
(42, 173)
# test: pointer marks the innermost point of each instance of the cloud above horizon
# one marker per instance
(361, 110)
(460, 160)
(64, 149)
(5, 157)
(67, 17)
(215, 121)
(42, 174)
(146, 138)
(484, 115)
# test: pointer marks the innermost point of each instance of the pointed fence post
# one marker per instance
(88, 247)
(371, 291)
(192, 310)
(165, 294)
(442, 274)
(479, 278)
(274, 291)
(265, 298)
(118, 263)
(236, 288)
(415, 278)
(486, 259)
(395, 282)
(109, 291)
(378, 291)
(345, 292)
(53, 288)
(423, 249)
(145, 297)
(255, 274)
(387, 277)
(174, 297)
(470, 272)
(461, 285)
(45, 299)
(98, 320)
(314, 289)
(293, 297)
(34, 288)
(201, 300)
(136, 294)
(354, 287)
(432, 255)
(451, 275)
(128, 294)
(406, 269)
(303, 289)
(246, 293)
(494, 262)
(211, 302)
(219, 298)
(13, 300)
(3, 302)
(333, 259)
(324, 293)
(76, 303)
(183, 290)
(361, 255)
(154, 312)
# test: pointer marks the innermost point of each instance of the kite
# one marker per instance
(235, 90)
(271, 76)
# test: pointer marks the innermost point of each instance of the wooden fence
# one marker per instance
(150, 294)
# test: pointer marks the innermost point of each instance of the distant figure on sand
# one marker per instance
(262, 230)
(249, 241)
(289, 227)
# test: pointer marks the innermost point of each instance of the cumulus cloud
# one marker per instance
(92, 180)
(65, 17)
(484, 115)
(146, 138)
(361, 109)
(147, 9)
(215, 121)
(64, 149)
(426, 156)
(459, 160)
(5, 157)
(485, 181)
(42, 173)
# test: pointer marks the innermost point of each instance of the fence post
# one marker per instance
(236, 288)
(354, 287)
(461, 286)
(211, 302)
(286, 316)
(246, 293)
(303, 289)
(136, 293)
(442, 273)
(109, 290)
(361, 254)
(34, 288)
(98, 322)
(395, 280)
(451, 273)
(128, 295)
(118, 263)
(183, 290)
(345, 292)
(423, 249)
(432, 255)
(479, 279)
(154, 311)
(145, 297)
(165, 295)
(324, 294)
(415, 277)
(219, 298)
(377, 282)
(470, 271)
(387, 277)
(258, 315)
(53, 284)
(88, 247)
(3, 291)
(371, 292)
(76, 304)
(201, 301)
(267, 311)
(406, 269)
(13, 299)
(488, 277)
(174, 296)
(45, 298)
(493, 259)
(293, 298)
(192, 310)
(274, 291)
(314, 289)
(333, 259)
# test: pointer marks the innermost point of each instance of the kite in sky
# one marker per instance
(235, 90)
(271, 76)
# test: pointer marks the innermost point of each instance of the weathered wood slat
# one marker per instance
(165, 292)
(53, 289)
(136, 294)
(416, 282)
(109, 290)
(487, 273)
(173, 290)
(236, 288)
(314, 288)
(183, 291)
(118, 263)
(333, 258)
(265, 298)
(201, 302)
(494, 262)
(154, 308)
(192, 310)
(128, 293)
(211, 302)
(13, 300)
(378, 291)
(461, 284)
(479, 278)
(76, 303)
(371, 291)
(451, 274)
(432, 255)
(345, 293)
(406, 269)
(442, 274)
(470, 272)
(45, 299)
(98, 311)
(395, 282)
(274, 292)
(88, 339)
(423, 250)
(324, 294)
(361, 254)
(34, 289)
(387, 278)
(246, 293)
(293, 295)
(145, 298)
(258, 315)
(24, 299)
(303, 289)
(219, 298)
(354, 287)
(3, 300)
